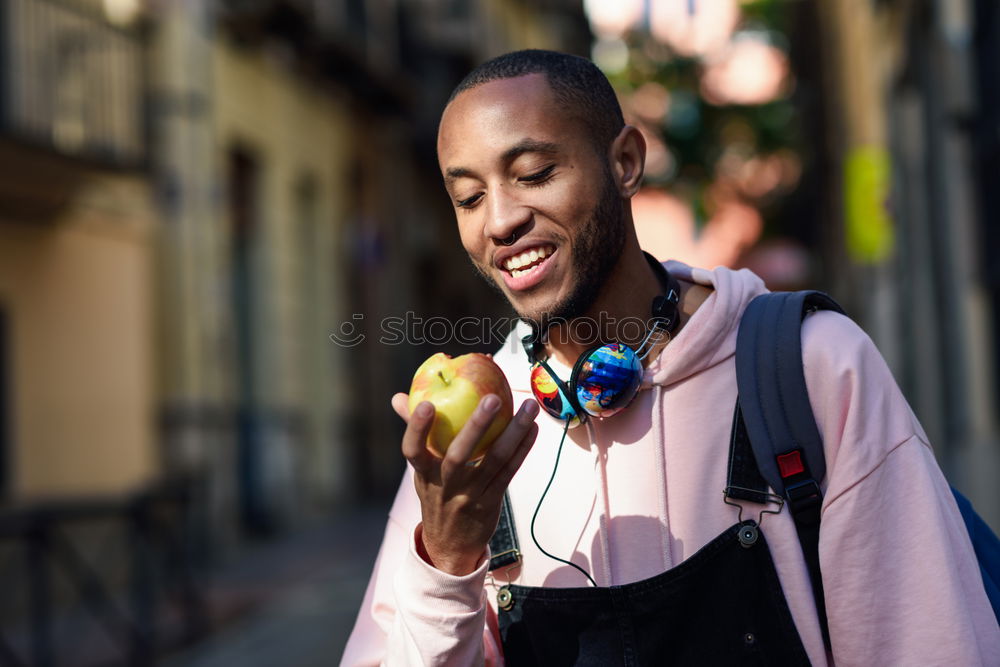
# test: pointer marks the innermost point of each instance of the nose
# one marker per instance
(506, 215)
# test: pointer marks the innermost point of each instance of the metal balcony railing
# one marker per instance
(100, 581)
(71, 82)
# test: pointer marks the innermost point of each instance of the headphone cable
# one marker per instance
(539, 506)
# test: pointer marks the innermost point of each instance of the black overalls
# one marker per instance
(722, 606)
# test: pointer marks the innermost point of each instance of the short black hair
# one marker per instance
(576, 82)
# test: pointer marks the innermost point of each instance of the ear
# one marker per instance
(627, 157)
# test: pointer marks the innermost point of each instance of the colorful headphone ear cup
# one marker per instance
(606, 378)
(551, 397)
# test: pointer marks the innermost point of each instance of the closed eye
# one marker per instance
(538, 177)
(469, 202)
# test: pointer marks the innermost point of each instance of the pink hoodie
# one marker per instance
(637, 494)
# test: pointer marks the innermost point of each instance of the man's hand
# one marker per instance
(460, 502)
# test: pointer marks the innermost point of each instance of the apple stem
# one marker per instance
(443, 378)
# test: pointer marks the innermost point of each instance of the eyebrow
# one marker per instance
(528, 146)
(509, 155)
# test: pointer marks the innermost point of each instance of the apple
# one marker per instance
(455, 386)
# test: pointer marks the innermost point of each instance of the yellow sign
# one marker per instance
(867, 183)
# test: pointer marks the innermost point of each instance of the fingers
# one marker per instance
(415, 438)
(508, 452)
(496, 468)
(461, 448)
(501, 480)
(400, 403)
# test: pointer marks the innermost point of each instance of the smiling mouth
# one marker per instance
(527, 260)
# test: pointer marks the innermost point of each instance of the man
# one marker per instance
(541, 167)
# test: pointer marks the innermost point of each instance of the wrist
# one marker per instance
(449, 561)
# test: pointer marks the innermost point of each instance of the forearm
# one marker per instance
(414, 614)
(440, 618)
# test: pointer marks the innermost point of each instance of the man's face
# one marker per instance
(518, 165)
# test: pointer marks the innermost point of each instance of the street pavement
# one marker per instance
(291, 603)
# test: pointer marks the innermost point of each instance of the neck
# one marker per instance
(620, 313)
(627, 296)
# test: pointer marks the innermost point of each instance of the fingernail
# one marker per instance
(490, 404)
(425, 410)
(529, 410)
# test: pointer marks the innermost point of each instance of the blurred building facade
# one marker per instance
(206, 211)
(195, 196)
(78, 220)
(858, 156)
(911, 214)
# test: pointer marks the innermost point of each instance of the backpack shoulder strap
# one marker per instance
(778, 417)
(772, 386)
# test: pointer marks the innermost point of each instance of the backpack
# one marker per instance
(773, 410)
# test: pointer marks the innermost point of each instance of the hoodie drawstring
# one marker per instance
(661, 471)
(602, 483)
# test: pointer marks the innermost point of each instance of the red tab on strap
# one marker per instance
(790, 464)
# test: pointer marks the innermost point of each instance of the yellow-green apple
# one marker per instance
(455, 387)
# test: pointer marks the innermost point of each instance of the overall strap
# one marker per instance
(743, 479)
(778, 417)
(504, 547)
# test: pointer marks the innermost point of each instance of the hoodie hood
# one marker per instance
(708, 338)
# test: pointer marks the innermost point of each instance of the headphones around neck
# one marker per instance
(606, 377)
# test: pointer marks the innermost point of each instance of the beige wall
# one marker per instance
(295, 128)
(77, 294)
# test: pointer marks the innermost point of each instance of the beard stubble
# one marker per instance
(597, 249)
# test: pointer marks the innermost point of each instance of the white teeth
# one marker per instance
(526, 258)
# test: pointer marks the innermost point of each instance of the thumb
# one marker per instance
(400, 403)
